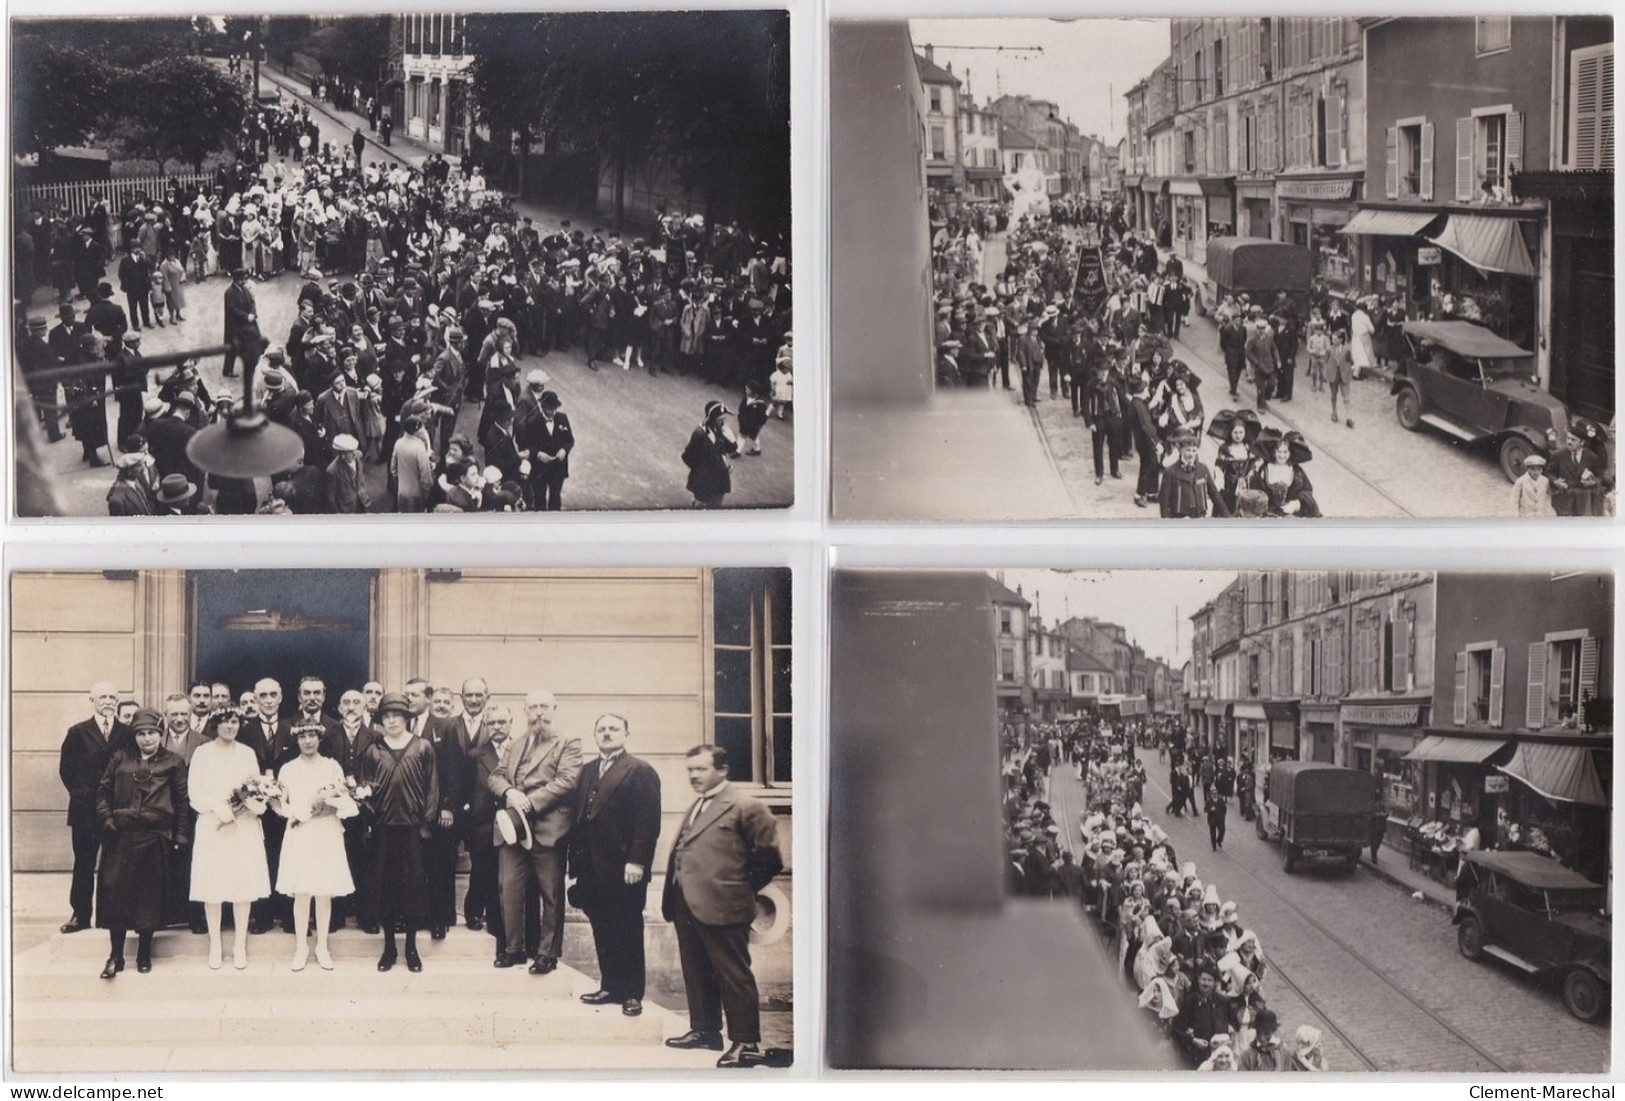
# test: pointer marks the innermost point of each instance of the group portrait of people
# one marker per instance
(218, 812)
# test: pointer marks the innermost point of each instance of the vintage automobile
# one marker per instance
(1531, 912)
(1258, 268)
(1464, 380)
(1317, 810)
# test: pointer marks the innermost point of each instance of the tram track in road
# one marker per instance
(1360, 958)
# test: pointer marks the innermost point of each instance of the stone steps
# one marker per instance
(459, 1013)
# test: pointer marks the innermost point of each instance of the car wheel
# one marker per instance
(1470, 938)
(1408, 408)
(1514, 450)
(1291, 864)
(1583, 994)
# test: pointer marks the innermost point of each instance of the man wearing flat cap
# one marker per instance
(346, 484)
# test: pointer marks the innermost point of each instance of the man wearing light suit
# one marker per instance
(612, 848)
(726, 851)
(537, 778)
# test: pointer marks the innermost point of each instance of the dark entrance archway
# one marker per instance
(283, 624)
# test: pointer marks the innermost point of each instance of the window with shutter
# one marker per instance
(1426, 171)
(1591, 109)
(1465, 132)
(1404, 633)
(1498, 677)
(1512, 153)
(1459, 717)
(1334, 130)
(1588, 667)
(1392, 184)
(1535, 704)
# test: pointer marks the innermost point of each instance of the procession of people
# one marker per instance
(1086, 310)
(1189, 963)
(221, 807)
(423, 296)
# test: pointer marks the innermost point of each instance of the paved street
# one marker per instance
(1357, 957)
(630, 428)
(1375, 470)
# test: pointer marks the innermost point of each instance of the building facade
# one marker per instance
(944, 167)
(1442, 228)
(1522, 714)
(430, 92)
(1052, 689)
(979, 140)
(1266, 135)
(1012, 673)
(1579, 192)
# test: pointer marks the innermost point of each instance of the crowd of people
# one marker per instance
(1107, 350)
(421, 293)
(1197, 972)
(222, 807)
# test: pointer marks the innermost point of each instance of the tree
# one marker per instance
(352, 49)
(59, 95)
(706, 90)
(181, 108)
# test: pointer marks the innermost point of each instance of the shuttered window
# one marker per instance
(1535, 706)
(1333, 109)
(1591, 109)
(1465, 131)
(1493, 33)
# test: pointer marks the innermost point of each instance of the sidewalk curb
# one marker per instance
(1428, 896)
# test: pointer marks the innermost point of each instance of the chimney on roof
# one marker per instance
(930, 54)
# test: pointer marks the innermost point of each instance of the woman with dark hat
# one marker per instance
(397, 784)
(1279, 475)
(1236, 430)
(141, 803)
(707, 456)
(1182, 412)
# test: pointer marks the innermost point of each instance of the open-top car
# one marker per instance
(1464, 380)
(1531, 912)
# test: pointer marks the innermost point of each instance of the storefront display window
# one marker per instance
(1400, 783)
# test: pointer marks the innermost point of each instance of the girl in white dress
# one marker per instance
(313, 862)
(228, 856)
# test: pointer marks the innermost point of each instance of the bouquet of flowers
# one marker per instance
(332, 800)
(358, 792)
(254, 794)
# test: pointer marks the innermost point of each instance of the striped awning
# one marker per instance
(1563, 772)
(1489, 244)
(1465, 751)
(1388, 223)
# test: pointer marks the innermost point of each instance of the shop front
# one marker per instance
(1458, 782)
(1320, 740)
(1315, 211)
(1267, 731)
(1458, 263)
(1379, 735)
(1255, 208)
(1221, 732)
(1555, 801)
(1154, 200)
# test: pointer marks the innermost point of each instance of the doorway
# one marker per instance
(282, 624)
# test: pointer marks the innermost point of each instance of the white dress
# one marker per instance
(228, 859)
(313, 860)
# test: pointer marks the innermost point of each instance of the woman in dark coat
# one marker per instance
(707, 455)
(398, 785)
(141, 803)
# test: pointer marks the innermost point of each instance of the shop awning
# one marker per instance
(1467, 751)
(1489, 244)
(1389, 223)
(1253, 711)
(1217, 186)
(1218, 710)
(1562, 772)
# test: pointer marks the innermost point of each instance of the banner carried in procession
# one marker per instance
(1090, 283)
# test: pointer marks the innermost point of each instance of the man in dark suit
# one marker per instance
(440, 851)
(312, 698)
(537, 777)
(242, 323)
(546, 440)
(271, 738)
(84, 755)
(612, 849)
(346, 741)
(726, 851)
